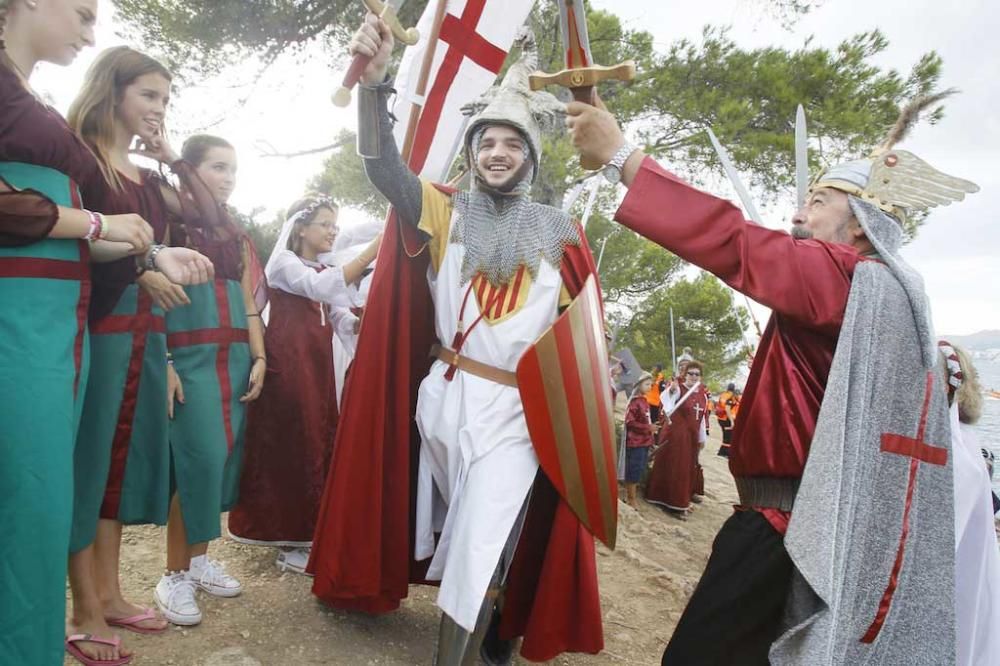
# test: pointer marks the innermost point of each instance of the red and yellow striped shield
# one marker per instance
(566, 391)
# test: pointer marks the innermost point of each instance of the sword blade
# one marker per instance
(734, 178)
(801, 156)
(576, 41)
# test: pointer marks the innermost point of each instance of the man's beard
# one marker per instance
(801, 233)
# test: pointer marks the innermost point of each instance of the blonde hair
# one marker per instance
(969, 395)
(314, 201)
(92, 113)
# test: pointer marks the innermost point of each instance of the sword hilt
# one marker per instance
(409, 36)
(582, 82)
(584, 77)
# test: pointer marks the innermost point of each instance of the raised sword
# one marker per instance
(387, 11)
(581, 75)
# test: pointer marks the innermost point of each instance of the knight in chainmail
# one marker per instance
(497, 278)
(842, 548)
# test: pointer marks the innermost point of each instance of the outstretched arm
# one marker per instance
(808, 281)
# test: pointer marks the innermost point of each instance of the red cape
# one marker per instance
(362, 554)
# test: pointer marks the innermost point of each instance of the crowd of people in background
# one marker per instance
(666, 425)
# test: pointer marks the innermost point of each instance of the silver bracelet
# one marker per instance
(151, 257)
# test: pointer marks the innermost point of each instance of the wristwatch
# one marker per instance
(613, 169)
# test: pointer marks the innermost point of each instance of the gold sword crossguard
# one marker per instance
(581, 76)
(409, 36)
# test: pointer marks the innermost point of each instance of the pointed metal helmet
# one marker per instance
(512, 103)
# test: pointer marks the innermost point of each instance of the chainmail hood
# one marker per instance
(502, 231)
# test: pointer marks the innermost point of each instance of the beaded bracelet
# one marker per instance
(96, 229)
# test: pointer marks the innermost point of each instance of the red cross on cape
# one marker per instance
(918, 451)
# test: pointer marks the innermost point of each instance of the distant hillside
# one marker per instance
(981, 341)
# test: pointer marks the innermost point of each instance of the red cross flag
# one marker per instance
(472, 46)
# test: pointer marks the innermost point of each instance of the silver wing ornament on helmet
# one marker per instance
(901, 179)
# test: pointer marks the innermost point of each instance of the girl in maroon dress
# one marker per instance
(676, 477)
(291, 427)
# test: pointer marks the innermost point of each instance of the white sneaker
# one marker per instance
(295, 560)
(174, 597)
(211, 576)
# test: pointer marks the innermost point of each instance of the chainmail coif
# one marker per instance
(502, 231)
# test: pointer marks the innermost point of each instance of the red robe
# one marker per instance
(805, 282)
(290, 427)
(362, 553)
(676, 474)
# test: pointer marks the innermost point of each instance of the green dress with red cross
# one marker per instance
(44, 291)
(122, 459)
(209, 342)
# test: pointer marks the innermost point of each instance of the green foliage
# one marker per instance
(343, 178)
(631, 266)
(264, 235)
(706, 319)
(749, 97)
(204, 37)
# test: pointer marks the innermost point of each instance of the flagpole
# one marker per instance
(425, 72)
(673, 349)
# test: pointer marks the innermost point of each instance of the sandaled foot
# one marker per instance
(144, 622)
(93, 650)
(134, 618)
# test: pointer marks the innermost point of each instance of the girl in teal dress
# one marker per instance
(121, 462)
(46, 239)
(217, 367)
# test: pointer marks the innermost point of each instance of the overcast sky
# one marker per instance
(957, 250)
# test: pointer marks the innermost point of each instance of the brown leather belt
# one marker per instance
(481, 370)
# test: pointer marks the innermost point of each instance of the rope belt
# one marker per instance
(473, 367)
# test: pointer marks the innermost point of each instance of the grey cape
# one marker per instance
(872, 530)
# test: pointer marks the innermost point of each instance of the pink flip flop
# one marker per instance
(78, 654)
(132, 623)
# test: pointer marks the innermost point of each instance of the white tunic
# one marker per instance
(977, 561)
(477, 462)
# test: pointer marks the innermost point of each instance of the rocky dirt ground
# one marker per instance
(644, 584)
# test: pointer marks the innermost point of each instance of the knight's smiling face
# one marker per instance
(500, 156)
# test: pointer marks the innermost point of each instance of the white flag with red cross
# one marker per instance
(474, 39)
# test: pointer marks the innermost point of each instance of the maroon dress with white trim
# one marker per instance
(290, 428)
(676, 474)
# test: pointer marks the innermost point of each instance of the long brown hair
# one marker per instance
(92, 113)
(197, 146)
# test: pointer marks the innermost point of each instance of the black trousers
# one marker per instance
(735, 612)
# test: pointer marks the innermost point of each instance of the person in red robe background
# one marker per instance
(676, 478)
